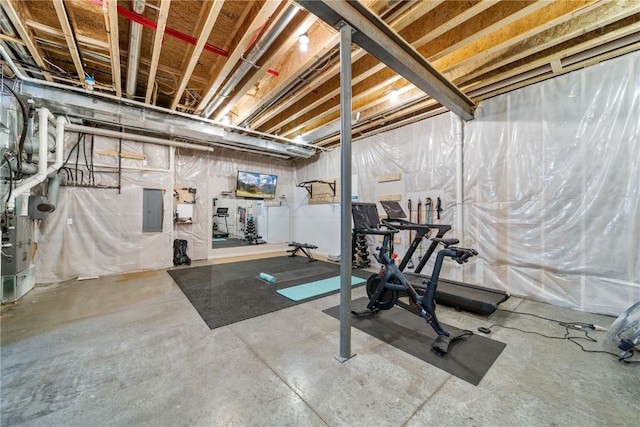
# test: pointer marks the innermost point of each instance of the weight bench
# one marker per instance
(304, 247)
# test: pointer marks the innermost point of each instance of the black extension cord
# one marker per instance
(626, 345)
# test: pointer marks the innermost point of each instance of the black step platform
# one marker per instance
(464, 296)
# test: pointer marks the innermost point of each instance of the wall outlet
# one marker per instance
(69, 221)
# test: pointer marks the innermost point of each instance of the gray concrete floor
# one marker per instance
(130, 350)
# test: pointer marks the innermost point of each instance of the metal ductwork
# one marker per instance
(135, 45)
(249, 62)
(82, 105)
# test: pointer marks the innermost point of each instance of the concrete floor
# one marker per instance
(130, 350)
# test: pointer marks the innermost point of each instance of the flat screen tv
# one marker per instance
(256, 185)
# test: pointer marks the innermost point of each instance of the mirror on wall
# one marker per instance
(244, 222)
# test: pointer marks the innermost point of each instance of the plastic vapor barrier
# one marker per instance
(551, 186)
(97, 230)
(551, 176)
(552, 182)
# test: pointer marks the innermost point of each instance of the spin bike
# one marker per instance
(384, 287)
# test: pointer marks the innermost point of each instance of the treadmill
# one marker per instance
(460, 295)
(222, 213)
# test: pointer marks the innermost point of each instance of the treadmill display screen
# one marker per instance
(365, 215)
(393, 209)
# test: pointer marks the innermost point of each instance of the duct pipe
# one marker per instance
(43, 116)
(459, 136)
(133, 137)
(249, 62)
(60, 122)
(53, 186)
(135, 44)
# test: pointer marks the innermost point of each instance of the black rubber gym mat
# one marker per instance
(227, 293)
(469, 358)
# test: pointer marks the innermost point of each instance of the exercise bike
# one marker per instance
(384, 288)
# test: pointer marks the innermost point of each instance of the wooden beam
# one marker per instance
(123, 154)
(18, 15)
(500, 16)
(554, 13)
(323, 39)
(209, 22)
(82, 40)
(599, 16)
(365, 66)
(607, 44)
(110, 12)
(68, 32)
(11, 39)
(463, 15)
(157, 46)
(420, 8)
(268, 8)
(290, 67)
(171, 70)
(452, 15)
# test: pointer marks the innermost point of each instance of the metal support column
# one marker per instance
(345, 192)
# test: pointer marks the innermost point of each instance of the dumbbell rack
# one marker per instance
(359, 250)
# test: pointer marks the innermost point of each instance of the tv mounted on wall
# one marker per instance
(256, 185)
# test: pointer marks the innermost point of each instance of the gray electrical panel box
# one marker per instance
(152, 209)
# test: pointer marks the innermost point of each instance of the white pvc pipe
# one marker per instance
(459, 130)
(28, 184)
(134, 137)
(60, 121)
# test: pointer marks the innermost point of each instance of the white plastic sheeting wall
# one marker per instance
(424, 153)
(196, 170)
(551, 185)
(97, 231)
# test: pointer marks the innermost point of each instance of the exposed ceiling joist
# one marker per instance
(111, 23)
(378, 39)
(19, 17)
(70, 38)
(157, 44)
(212, 87)
(210, 20)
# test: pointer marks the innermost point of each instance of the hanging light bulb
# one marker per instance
(303, 39)
(393, 94)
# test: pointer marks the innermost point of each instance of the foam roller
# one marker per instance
(267, 277)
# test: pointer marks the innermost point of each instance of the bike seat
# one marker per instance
(446, 242)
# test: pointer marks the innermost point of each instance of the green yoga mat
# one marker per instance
(314, 289)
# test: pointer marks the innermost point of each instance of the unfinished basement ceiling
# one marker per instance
(242, 61)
